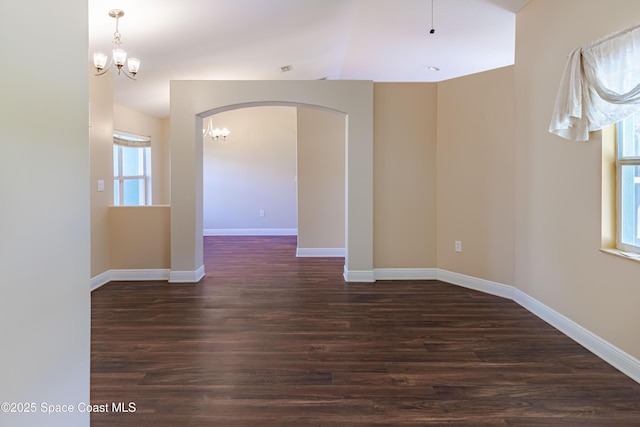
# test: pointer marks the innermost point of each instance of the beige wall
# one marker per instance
(476, 191)
(558, 182)
(253, 170)
(140, 237)
(101, 143)
(128, 120)
(321, 178)
(112, 238)
(45, 208)
(405, 175)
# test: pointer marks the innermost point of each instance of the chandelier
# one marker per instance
(215, 133)
(119, 55)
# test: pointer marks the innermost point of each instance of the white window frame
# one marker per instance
(125, 139)
(624, 129)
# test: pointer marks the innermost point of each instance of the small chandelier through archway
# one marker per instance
(215, 133)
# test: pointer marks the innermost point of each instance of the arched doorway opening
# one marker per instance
(193, 100)
(280, 172)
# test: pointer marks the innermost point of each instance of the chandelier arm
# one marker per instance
(127, 74)
(105, 69)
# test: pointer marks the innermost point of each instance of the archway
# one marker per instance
(281, 171)
(193, 100)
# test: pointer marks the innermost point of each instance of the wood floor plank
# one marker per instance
(268, 339)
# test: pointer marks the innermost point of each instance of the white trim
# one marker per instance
(481, 285)
(139, 275)
(608, 352)
(358, 276)
(626, 255)
(250, 232)
(186, 276)
(128, 275)
(319, 252)
(100, 280)
(405, 273)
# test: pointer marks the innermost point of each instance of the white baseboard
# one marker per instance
(146, 275)
(186, 276)
(319, 252)
(128, 275)
(139, 275)
(250, 232)
(100, 279)
(358, 276)
(481, 285)
(611, 354)
(405, 273)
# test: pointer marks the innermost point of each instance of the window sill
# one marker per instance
(139, 206)
(627, 255)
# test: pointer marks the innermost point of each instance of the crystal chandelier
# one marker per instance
(119, 55)
(215, 133)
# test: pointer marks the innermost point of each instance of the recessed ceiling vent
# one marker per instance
(286, 68)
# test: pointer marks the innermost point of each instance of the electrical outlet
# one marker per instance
(458, 246)
(261, 213)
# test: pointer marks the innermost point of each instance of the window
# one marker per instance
(628, 184)
(131, 169)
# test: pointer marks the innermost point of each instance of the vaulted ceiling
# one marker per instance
(379, 40)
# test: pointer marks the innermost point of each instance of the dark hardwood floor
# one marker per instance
(267, 339)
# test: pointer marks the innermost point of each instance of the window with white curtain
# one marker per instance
(600, 86)
(131, 169)
(628, 184)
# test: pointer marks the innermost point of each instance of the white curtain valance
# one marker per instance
(130, 140)
(600, 86)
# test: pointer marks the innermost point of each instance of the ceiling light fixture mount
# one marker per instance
(119, 55)
(432, 31)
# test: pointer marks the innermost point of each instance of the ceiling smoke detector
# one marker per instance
(286, 68)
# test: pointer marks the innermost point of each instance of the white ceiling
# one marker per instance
(379, 40)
